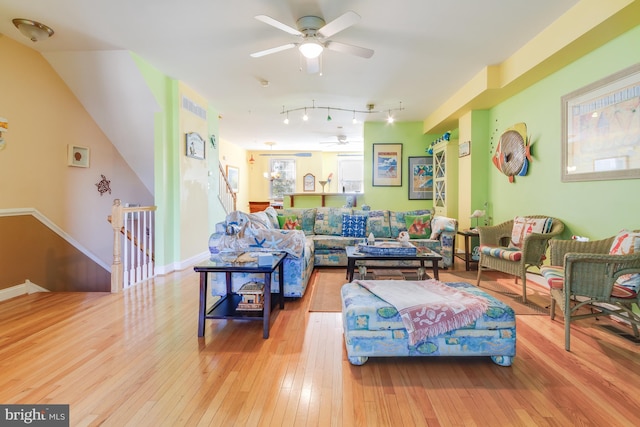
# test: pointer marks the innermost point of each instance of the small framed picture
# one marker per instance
(195, 146)
(78, 156)
(309, 182)
(233, 176)
(464, 149)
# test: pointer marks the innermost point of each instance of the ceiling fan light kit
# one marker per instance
(315, 34)
(310, 49)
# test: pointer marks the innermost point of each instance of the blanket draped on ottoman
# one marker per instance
(429, 307)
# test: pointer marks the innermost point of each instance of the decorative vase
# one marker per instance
(323, 183)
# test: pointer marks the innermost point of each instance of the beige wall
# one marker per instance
(44, 117)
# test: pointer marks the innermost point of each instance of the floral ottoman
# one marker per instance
(373, 327)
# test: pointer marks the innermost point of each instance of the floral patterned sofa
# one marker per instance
(319, 236)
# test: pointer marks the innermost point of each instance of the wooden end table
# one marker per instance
(467, 255)
(226, 307)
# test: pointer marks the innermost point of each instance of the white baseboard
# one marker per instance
(22, 289)
(181, 265)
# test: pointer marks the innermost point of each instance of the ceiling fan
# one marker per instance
(315, 34)
(340, 140)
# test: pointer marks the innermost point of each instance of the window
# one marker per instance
(350, 174)
(285, 177)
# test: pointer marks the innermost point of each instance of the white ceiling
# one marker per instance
(424, 51)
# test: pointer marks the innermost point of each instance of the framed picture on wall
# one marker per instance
(78, 156)
(233, 177)
(601, 129)
(387, 165)
(420, 178)
(309, 182)
(194, 145)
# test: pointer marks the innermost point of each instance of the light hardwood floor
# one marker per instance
(134, 359)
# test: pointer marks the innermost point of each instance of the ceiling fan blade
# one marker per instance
(363, 52)
(342, 22)
(272, 50)
(279, 25)
(313, 65)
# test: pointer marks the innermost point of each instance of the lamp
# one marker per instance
(251, 159)
(33, 30)
(310, 49)
(477, 214)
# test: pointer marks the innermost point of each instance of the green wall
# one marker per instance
(166, 160)
(596, 209)
(414, 143)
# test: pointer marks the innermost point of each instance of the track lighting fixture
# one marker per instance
(370, 110)
(390, 118)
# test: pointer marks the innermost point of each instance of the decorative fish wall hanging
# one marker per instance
(513, 152)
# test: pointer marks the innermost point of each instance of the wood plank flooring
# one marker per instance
(134, 359)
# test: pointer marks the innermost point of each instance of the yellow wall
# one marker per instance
(319, 164)
(194, 206)
(232, 155)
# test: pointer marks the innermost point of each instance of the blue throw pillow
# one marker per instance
(354, 225)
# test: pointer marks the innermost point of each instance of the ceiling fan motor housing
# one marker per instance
(309, 25)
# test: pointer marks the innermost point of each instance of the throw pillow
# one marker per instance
(440, 224)
(354, 225)
(523, 226)
(626, 243)
(289, 223)
(419, 227)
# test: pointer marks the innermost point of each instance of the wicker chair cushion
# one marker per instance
(554, 275)
(501, 252)
(626, 243)
(523, 226)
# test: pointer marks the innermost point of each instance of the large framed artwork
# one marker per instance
(601, 129)
(420, 178)
(387, 165)
(233, 177)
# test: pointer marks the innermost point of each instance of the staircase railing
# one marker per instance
(225, 192)
(133, 259)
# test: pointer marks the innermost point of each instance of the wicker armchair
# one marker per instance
(588, 276)
(533, 250)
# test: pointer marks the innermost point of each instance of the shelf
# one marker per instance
(226, 308)
(322, 196)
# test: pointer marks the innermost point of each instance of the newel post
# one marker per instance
(116, 267)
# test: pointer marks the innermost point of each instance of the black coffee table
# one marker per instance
(353, 255)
